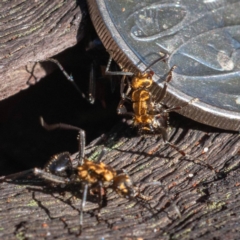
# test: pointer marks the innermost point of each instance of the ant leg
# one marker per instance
(202, 163)
(51, 127)
(121, 109)
(176, 148)
(167, 80)
(182, 106)
(151, 128)
(107, 72)
(98, 140)
(171, 201)
(111, 78)
(145, 127)
(197, 161)
(39, 173)
(100, 196)
(69, 77)
(159, 183)
(165, 139)
(103, 152)
(92, 84)
(83, 202)
(82, 136)
(16, 175)
(82, 144)
(163, 59)
(122, 86)
(143, 197)
(49, 176)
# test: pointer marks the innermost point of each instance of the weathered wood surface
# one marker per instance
(32, 31)
(209, 201)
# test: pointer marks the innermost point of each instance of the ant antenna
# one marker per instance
(163, 58)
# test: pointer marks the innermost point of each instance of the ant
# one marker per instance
(96, 176)
(148, 116)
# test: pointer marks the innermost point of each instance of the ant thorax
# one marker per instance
(92, 173)
(141, 101)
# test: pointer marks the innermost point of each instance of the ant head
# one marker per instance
(124, 187)
(149, 74)
(142, 80)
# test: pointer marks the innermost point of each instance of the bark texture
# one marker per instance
(208, 201)
(33, 31)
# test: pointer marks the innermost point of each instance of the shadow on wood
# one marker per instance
(208, 201)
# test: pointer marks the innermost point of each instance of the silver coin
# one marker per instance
(202, 39)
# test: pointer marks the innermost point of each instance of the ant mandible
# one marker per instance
(96, 176)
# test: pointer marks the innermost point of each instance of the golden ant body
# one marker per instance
(149, 116)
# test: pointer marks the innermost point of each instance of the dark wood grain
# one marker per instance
(207, 200)
(32, 31)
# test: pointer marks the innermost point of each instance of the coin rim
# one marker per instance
(125, 57)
